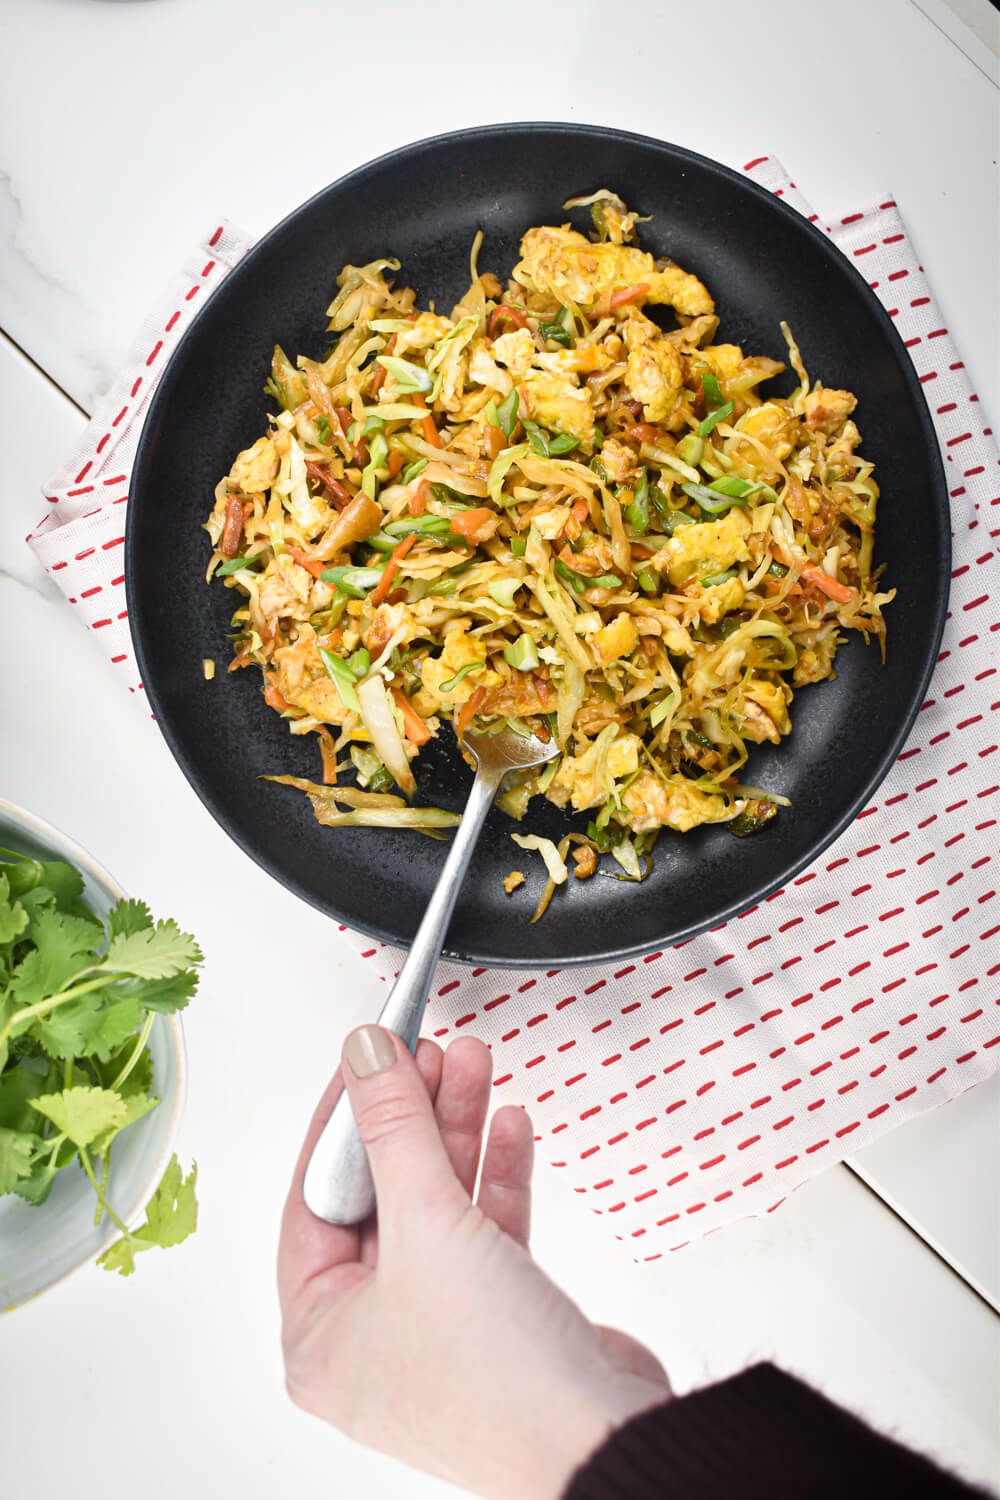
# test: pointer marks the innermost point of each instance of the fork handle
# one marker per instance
(338, 1184)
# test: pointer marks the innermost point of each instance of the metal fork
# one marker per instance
(338, 1185)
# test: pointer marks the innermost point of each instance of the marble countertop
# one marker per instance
(129, 125)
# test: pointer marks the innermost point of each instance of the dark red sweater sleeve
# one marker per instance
(759, 1436)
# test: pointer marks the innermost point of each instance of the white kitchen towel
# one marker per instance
(698, 1085)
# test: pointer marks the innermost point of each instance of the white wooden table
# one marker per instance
(127, 128)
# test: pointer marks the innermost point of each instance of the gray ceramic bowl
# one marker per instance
(41, 1245)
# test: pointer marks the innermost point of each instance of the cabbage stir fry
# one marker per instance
(566, 508)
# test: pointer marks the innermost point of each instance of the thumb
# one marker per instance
(395, 1119)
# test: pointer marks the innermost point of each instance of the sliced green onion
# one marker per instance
(443, 588)
(507, 412)
(360, 661)
(714, 418)
(422, 525)
(546, 446)
(518, 545)
(557, 331)
(637, 514)
(690, 449)
(521, 654)
(731, 484)
(503, 591)
(714, 579)
(354, 582)
(647, 581)
(378, 452)
(408, 376)
(470, 666)
(234, 564)
(409, 474)
(575, 580)
(342, 678)
(322, 425)
(711, 501)
(606, 581)
(713, 390)
(490, 413)
(660, 710)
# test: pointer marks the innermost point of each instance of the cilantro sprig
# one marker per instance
(77, 1001)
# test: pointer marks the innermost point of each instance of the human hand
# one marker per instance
(429, 1332)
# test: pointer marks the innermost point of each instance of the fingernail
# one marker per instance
(369, 1050)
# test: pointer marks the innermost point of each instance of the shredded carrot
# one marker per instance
(274, 699)
(312, 565)
(343, 415)
(396, 461)
(381, 589)
(627, 294)
(467, 522)
(329, 754)
(543, 732)
(832, 587)
(495, 440)
(415, 729)
(468, 711)
(428, 426)
(503, 314)
(419, 498)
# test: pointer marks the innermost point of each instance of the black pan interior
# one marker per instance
(763, 262)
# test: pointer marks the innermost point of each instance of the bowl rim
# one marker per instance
(355, 177)
(62, 846)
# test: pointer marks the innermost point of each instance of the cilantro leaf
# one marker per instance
(154, 953)
(135, 1106)
(17, 1147)
(171, 1215)
(13, 917)
(127, 917)
(162, 995)
(82, 1113)
(18, 1086)
(81, 1029)
(64, 946)
(35, 1188)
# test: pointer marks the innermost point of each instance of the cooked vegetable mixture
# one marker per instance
(565, 508)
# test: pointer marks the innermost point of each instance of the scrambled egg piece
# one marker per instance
(302, 680)
(585, 359)
(620, 638)
(576, 780)
(828, 410)
(653, 372)
(720, 599)
(722, 359)
(705, 548)
(255, 468)
(650, 803)
(424, 331)
(516, 350)
(287, 591)
(771, 424)
(764, 710)
(555, 402)
(566, 266)
(459, 651)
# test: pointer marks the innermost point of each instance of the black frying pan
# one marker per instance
(762, 262)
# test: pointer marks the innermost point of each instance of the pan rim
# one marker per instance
(942, 541)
